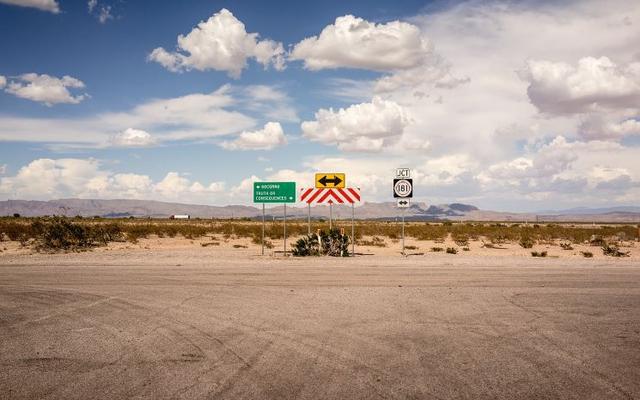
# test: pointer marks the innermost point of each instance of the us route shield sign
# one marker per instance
(330, 180)
(403, 188)
(274, 192)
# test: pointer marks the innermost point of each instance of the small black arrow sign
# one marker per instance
(403, 202)
(335, 181)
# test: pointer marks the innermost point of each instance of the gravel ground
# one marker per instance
(215, 322)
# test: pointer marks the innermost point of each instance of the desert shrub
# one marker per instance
(374, 242)
(436, 249)
(452, 250)
(587, 254)
(331, 243)
(539, 253)
(138, 231)
(460, 239)
(105, 233)
(63, 234)
(596, 240)
(466, 249)
(239, 246)
(566, 246)
(207, 244)
(411, 247)
(16, 231)
(307, 246)
(257, 239)
(613, 251)
(526, 242)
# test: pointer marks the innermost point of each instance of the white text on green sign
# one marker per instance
(274, 192)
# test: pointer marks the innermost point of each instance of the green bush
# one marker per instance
(539, 253)
(526, 242)
(613, 251)
(452, 250)
(331, 243)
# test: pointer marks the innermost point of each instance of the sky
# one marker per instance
(513, 106)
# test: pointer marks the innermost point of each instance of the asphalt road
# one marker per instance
(228, 327)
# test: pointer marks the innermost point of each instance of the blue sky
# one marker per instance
(501, 106)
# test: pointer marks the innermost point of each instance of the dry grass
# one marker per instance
(72, 233)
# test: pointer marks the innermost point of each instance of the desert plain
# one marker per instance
(173, 318)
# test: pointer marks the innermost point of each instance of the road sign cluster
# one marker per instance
(403, 187)
(330, 188)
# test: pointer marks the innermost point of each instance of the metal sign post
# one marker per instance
(353, 235)
(403, 233)
(330, 215)
(262, 228)
(285, 229)
(309, 219)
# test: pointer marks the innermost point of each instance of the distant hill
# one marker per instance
(381, 211)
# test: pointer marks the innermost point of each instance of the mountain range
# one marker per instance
(381, 211)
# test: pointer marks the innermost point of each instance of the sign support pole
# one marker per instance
(285, 229)
(309, 218)
(403, 232)
(262, 228)
(353, 235)
(330, 216)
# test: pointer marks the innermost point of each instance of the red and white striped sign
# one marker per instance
(330, 196)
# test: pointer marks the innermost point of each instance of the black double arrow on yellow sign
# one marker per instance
(330, 180)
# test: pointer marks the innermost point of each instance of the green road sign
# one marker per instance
(274, 192)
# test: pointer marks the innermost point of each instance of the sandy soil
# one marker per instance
(391, 247)
(173, 319)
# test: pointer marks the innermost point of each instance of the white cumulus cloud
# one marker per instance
(221, 43)
(44, 179)
(398, 48)
(46, 89)
(3, 81)
(45, 5)
(356, 43)
(594, 84)
(269, 137)
(131, 137)
(367, 127)
(599, 127)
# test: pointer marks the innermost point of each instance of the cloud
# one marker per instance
(268, 101)
(3, 82)
(599, 127)
(131, 137)
(353, 42)
(3, 169)
(46, 89)
(86, 178)
(365, 127)
(194, 116)
(398, 48)
(103, 13)
(563, 166)
(44, 5)
(269, 137)
(222, 44)
(595, 84)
